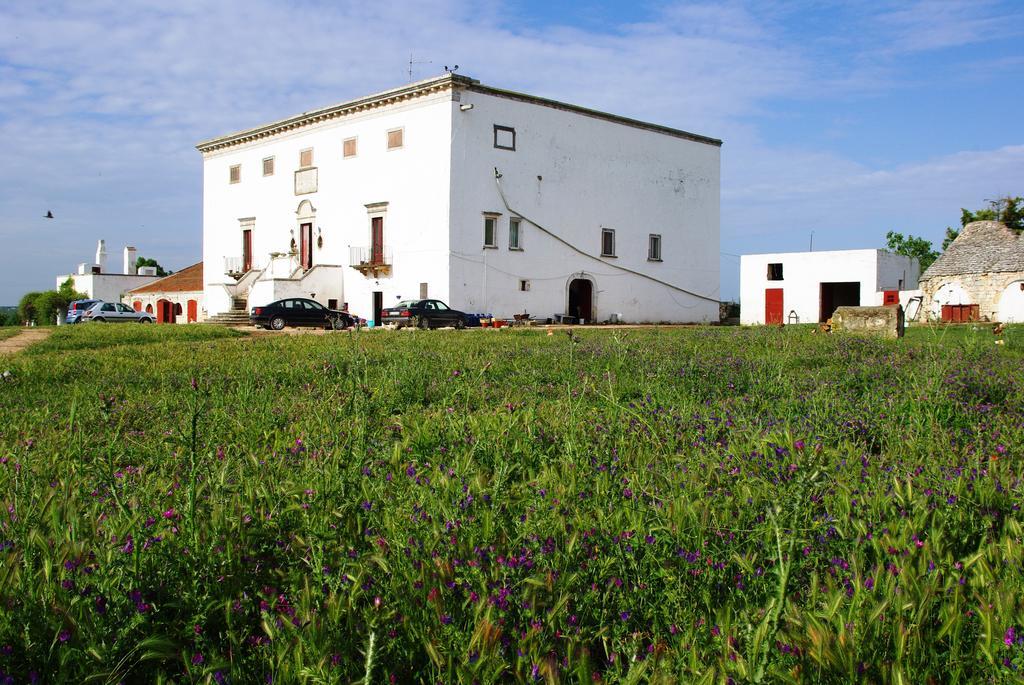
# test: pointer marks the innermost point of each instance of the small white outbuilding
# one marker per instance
(806, 287)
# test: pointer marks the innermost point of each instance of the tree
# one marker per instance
(143, 261)
(912, 246)
(1009, 210)
(42, 307)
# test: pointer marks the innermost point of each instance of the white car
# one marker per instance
(115, 312)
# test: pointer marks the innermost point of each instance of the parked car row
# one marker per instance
(98, 311)
(424, 314)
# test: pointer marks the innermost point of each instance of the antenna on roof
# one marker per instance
(452, 70)
(412, 62)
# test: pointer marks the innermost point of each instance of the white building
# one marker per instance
(94, 279)
(490, 200)
(177, 298)
(806, 287)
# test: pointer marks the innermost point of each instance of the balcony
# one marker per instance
(371, 261)
(233, 266)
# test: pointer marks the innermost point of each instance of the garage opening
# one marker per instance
(835, 295)
(581, 299)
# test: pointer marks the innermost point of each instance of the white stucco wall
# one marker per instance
(593, 173)
(107, 287)
(804, 272)
(412, 180)
(575, 174)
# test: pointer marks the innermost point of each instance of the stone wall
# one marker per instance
(886, 321)
(983, 290)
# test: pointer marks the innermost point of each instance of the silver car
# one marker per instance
(115, 312)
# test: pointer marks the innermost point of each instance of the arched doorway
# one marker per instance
(164, 311)
(580, 300)
(192, 311)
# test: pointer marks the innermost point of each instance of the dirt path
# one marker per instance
(27, 337)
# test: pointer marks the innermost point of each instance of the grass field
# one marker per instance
(679, 505)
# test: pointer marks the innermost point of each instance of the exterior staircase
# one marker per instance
(238, 315)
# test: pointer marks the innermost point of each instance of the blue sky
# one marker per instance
(848, 119)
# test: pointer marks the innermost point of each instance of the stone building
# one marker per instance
(980, 277)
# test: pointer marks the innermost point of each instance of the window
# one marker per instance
(513, 235)
(440, 306)
(348, 147)
(491, 230)
(235, 173)
(268, 166)
(524, 286)
(423, 291)
(607, 242)
(306, 158)
(395, 138)
(504, 137)
(654, 248)
(775, 272)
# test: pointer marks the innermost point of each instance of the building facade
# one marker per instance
(492, 201)
(980, 276)
(97, 282)
(806, 287)
(177, 298)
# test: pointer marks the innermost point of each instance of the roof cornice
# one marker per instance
(476, 86)
(430, 86)
(388, 97)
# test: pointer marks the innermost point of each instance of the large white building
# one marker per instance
(806, 287)
(490, 200)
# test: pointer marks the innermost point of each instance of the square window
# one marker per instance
(607, 242)
(268, 166)
(349, 147)
(396, 138)
(513, 235)
(235, 173)
(490, 231)
(504, 137)
(306, 158)
(423, 291)
(654, 248)
(524, 286)
(775, 272)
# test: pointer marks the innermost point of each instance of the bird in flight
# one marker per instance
(49, 215)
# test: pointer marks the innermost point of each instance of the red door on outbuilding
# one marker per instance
(164, 311)
(192, 311)
(773, 306)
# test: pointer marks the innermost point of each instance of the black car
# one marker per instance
(299, 311)
(424, 314)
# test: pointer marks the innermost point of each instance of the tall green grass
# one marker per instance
(695, 505)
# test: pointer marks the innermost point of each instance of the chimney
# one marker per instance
(129, 260)
(101, 256)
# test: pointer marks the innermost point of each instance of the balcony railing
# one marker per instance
(373, 261)
(232, 265)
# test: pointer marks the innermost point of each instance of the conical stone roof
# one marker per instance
(981, 247)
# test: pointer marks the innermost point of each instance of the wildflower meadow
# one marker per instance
(706, 505)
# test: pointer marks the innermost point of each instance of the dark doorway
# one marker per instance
(773, 301)
(581, 299)
(378, 307)
(246, 250)
(835, 295)
(377, 240)
(306, 245)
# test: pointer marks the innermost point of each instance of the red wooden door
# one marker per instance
(890, 297)
(137, 305)
(306, 245)
(247, 249)
(773, 306)
(377, 240)
(193, 311)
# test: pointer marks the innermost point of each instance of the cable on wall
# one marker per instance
(504, 200)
